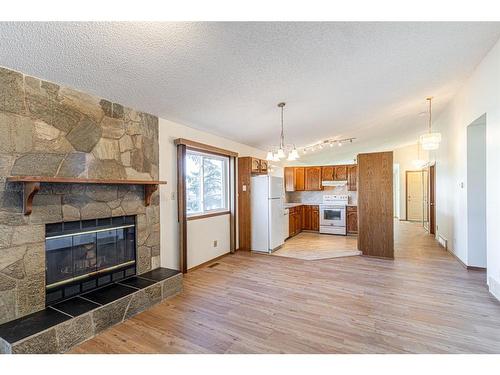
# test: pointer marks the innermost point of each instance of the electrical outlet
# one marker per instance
(215, 243)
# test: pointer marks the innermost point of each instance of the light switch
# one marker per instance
(244, 188)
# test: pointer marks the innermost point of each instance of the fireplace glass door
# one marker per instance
(79, 253)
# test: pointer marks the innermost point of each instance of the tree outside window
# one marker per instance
(207, 183)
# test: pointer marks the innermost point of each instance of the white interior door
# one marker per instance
(414, 196)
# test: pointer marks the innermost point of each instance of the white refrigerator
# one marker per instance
(267, 213)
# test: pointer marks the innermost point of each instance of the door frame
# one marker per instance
(432, 199)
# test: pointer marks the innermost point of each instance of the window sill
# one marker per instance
(204, 216)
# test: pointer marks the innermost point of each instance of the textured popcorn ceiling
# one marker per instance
(365, 80)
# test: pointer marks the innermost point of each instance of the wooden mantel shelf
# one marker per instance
(32, 186)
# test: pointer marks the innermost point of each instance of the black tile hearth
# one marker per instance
(109, 293)
(159, 274)
(76, 306)
(137, 282)
(29, 325)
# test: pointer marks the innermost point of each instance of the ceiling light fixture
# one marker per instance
(430, 140)
(418, 163)
(283, 150)
(321, 145)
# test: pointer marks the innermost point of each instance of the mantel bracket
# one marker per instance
(148, 193)
(30, 189)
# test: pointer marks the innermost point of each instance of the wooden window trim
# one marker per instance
(205, 148)
(204, 216)
(182, 146)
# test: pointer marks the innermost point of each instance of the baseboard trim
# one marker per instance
(494, 287)
(469, 268)
(374, 256)
(208, 262)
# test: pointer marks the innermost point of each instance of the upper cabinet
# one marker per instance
(352, 177)
(327, 173)
(289, 179)
(312, 178)
(299, 178)
(340, 173)
(259, 166)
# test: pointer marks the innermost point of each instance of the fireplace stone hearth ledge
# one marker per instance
(60, 327)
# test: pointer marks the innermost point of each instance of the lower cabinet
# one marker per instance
(295, 220)
(352, 219)
(301, 218)
(315, 218)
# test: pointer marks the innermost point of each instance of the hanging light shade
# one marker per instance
(283, 151)
(431, 140)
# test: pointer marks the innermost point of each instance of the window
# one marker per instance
(207, 183)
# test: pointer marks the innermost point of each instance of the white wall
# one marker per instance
(479, 95)
(404, 157)
(476, 193)
(201, 233)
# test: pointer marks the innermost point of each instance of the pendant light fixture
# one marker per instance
(430, 140)
(283, 150)
(419, 163)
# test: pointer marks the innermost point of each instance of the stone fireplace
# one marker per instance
(50, 130)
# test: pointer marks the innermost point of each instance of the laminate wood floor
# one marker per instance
(316, 246)
(422, 302)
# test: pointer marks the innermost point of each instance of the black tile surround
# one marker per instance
(75, 306)
(20, 329)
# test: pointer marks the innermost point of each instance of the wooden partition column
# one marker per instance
(375, 204)
(182, 146)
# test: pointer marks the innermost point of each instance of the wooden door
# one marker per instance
(352, 220)
(299, 178)
(414, 196)
(312, 178)
(289, 179)
(315, 218)
(432, 199)
(340, 173)
(327, 173)
(352, 178)
(375, 204)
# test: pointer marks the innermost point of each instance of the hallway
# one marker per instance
(422, 302)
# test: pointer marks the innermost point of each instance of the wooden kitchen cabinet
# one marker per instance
(258, 166)
(312, 178)
(352, 219)
(327, 173)
(299, 178)
(306, 218)
(289, 179)
(315, 218)
(310, 217)
(352, 178)
(263, 166)
(340, 173)
(255, 165)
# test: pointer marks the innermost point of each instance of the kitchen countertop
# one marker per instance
(290, 205)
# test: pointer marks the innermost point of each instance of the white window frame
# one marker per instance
(225, 184)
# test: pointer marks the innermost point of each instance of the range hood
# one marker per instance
(334, 183)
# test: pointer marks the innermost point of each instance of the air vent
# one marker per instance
(213, 265)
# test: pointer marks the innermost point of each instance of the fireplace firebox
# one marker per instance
(88, 254)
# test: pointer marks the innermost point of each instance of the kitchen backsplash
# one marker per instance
(317, 196)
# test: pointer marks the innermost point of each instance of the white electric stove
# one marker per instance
(332, 214)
